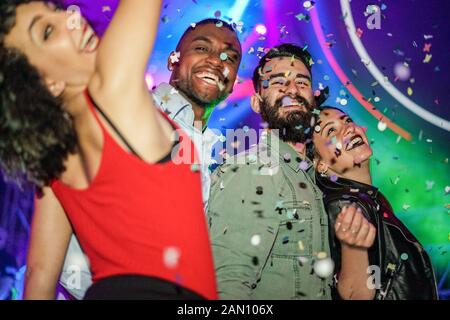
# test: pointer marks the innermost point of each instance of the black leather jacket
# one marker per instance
(405, 267)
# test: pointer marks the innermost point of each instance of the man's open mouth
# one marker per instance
(211, 78)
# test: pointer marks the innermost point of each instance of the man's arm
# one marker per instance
(232, 225)
(50, 234)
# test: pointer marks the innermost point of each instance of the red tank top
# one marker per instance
(145, 219)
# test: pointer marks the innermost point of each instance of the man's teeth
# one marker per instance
(288, 101)
(354, 142)
(211, 79)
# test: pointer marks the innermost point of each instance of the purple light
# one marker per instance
(149, 81)
(261, 29)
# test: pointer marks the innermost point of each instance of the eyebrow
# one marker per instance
(282, 74)
(32, 24)
(229, 46)
(332, 122)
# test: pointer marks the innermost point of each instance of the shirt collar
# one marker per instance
(173, 103)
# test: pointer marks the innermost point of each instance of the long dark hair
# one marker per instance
(36, 134)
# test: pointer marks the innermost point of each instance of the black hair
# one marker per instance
(284, 50)
(217, 22)
(311, 151)
(36, 133)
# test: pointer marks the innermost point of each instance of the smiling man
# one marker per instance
(268, 225)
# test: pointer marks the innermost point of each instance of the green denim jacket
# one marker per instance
(268, 225)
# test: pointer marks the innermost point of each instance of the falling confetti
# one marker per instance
(171, 257)
(324, 267)
(382, 126)
(175, 57)
(255, 240)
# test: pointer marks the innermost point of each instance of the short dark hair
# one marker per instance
(283, 50)
(217, 22)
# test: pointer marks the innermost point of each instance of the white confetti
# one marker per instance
(324, 267)
(256, 240)
(171, 257)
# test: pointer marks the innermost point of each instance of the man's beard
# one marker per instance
(295, 127)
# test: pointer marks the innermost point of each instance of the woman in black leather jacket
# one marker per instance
(400, 269)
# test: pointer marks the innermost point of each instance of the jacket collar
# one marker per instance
(342, 184)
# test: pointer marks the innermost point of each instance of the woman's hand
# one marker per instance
(353, 229)
(356, 234)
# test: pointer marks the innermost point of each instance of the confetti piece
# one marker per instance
(256, 240)
(287, 157)
(301, 246)
(359, 33)
(165, 19)
(175, 57)
(410, 91)
(322, 255)
(402, 71)
(304, 165)
(381, 126)
(226, 72)
(171, 257)
(302, 260)
(406, 206)
(427, 47)
(308, 5)
(324, 267)
(259, 190)
(223, 56)
(429, 184)
(427, 58)
(240, 26)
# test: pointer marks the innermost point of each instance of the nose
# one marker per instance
(291, 88)
(349, 129)
(214, 59)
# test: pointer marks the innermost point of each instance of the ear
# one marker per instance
(170, 61)
(256, 102)
(56, 87)
(321, 166)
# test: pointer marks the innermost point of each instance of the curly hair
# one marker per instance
(36, 133)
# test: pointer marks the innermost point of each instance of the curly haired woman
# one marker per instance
(77, 121)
